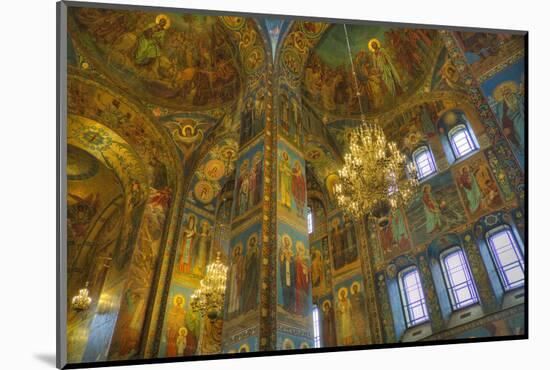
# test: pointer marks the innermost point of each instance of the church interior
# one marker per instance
(214, 204)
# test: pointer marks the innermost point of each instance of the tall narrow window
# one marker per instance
(458, 278)
(461, 141)
(309, 221)
(424, 162)
(316, 328)
(507, 256)
(412, 297)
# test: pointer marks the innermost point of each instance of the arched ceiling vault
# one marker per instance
(190, 71)
(180, 62)
(113, 109)
(391, 65)
(113, 151)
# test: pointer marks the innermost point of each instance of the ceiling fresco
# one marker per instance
(180, 61)
(391, 64)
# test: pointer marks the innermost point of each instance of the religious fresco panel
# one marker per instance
(343, 240)
(181, 329)
(446, 76)
(294, 288)
(294, 266)
(477, 187)
(500, 173)
(291, 180)
(394, 236)
(319, 267)
(436, 208)
(248, 181)
(327, 318)
(211, 174)
(243, 276)
(221, 235)
(134, 305)
(505, 92)
(169, 58)
(252, 115)
(351, 312)
(194, 245)
(391, 63)
(290, 112)
(188, 130)
(487, 52)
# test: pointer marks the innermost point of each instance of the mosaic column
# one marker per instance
(249, 239)
(291, 308)
(374, 317)
(268, 297)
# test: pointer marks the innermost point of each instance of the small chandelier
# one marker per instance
(81, 301)
(209, 297)
(376, 177)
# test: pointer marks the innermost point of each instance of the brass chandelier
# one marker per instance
(82, 301)
(376, 176)
(208, 299)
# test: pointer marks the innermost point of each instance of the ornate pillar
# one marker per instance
(292, 306)
(247, 300)
(365, 251)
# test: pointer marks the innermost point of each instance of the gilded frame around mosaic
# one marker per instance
(200, 185)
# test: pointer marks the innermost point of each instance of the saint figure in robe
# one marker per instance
(382, 62)
(236, 275)
(344, 315)
(149, 42)
(337, 245)
(200, 253)
(243, 189)
(285, 180)
(510, 110)
(317, 275)
(174, 321)
(470, 188)
(298, 187)
(399, 230)
(358, 314)
(432, 210)
(252, 274)
(287, 273)
(328, 328)
(255, 180)
(188, 245)
(302, 279)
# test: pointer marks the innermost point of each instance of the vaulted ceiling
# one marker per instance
(189, 71)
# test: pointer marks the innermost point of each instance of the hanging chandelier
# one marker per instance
(209, 297)
(376, 177)
(81, 301)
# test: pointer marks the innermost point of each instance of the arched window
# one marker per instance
(309, 221)
(316, 327)
(461, 141)
(458, 278)
(424, 162)
(507, 256)
(412, 297)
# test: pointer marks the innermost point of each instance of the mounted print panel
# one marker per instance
(208, 208)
